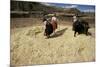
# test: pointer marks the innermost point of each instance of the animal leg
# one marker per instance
(86, 32)
(75, 34)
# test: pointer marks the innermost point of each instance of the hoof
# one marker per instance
(47, 37)
(74, 35)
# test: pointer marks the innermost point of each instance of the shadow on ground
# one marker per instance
(59, 33)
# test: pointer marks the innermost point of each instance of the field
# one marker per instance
(30, 47)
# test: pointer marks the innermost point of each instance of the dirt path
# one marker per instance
(29, 46)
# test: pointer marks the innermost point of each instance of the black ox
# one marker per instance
(80, 27)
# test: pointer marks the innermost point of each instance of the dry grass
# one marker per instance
(29, 46)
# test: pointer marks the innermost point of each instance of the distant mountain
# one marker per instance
(31, 6)
(36, 6)
(72, 10)
(24, 8)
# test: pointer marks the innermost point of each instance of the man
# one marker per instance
(75, 19)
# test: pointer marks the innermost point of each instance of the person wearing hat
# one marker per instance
(54, 22)
(75, 18)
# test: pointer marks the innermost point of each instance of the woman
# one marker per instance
(54, 23)
(48, 28)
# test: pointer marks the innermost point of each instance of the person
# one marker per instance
(75, 18)
(48, 28)
(54, 22)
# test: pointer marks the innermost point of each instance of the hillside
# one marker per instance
(31, 6)
(38, 8)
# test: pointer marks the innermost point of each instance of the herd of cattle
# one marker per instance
(79, 26)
